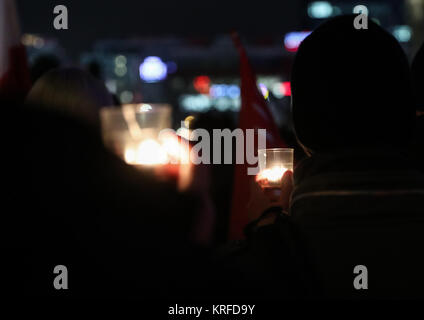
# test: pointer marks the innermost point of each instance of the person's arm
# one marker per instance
(266, 204)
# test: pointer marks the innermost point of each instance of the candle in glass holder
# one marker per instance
(132, 132)
(273, 163)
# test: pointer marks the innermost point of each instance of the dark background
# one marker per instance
(95, 19)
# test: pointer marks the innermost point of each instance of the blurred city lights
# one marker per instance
(281, 89)
(153, 69)
(121, 70)
(402, 33)
(120, 61)
(39, 43)
(202, 84)
(195, 103)
(233, 91)
(276, 91)
(293, 40)
(111, 85)
(223, 90)
(31, 40)
(264, 90)
(236, 105)
(218, 90)
(126, 97)
(320, 10)
(286, 89)
(223, 104)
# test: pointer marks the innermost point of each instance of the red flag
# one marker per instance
(254, 114)
(14, 73)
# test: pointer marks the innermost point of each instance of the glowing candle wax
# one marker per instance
(273, 163)
(148, 152)
(274, 174)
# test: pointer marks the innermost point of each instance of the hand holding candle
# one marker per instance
(268, 178)
(274, 183)
(263, 198)
(273, 163)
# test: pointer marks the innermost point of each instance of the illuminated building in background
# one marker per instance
(192, 78)
(226, 96)
(231, 91)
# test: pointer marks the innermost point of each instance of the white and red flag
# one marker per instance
(254, 114)
(14, 72)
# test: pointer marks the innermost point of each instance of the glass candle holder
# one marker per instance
(132, 131)
(273, 163)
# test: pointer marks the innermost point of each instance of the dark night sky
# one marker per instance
(90, 20)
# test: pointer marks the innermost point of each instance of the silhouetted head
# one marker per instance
(418, 79)
(351, 88)
(72, 92)
(43, 64)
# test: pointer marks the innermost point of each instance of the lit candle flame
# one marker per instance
(148, 152)
(274, 174)
(152, 152)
